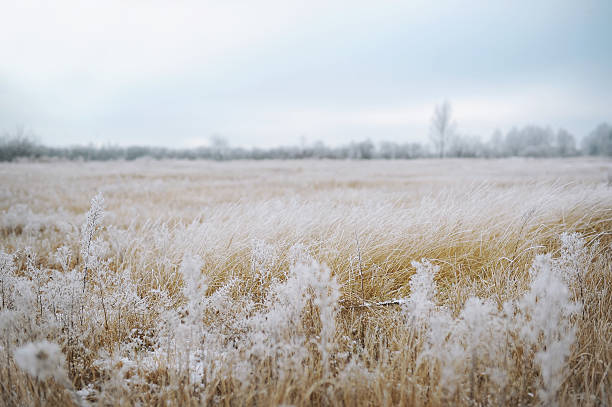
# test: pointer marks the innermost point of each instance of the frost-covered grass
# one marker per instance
(450, 282)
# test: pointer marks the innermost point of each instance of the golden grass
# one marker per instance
(482, 222)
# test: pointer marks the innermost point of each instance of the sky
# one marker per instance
(268, 73)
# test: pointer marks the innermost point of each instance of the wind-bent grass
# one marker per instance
(258, 282)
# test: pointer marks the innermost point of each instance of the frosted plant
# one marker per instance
(21, 296)
(297, 313)
(220, 302)
(228, 331)
(63, 256)
(194, 287)
(264, 257)
(124, 295)
(203, 334)
(326, 294)
(20, 218)
(574, 260)
(64, 297)
(93, 219)
(472, 345)
(276, 330)
(422, 313)
(483, 336)
(8, 319)
(7, 271)
(17, 217)
(324, 291)
(42, 360)
(121, 372)
(94, 250)
(420, 304)
(37, 276)
(442, 344)
(7, 263)
(545, 323)
(354, 377)
(575, 256)
(298, 253)
(19, 293)
(185, 328)
(469, 346)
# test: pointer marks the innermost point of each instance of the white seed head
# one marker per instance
(41, 360)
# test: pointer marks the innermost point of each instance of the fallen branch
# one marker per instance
(368, 304)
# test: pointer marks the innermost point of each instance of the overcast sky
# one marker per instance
(266, 73)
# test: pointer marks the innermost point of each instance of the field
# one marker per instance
(425, 282)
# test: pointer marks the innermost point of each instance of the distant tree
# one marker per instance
(441, 130)
(320, 150)
(465, 146)
(599, 141)
(530, 141)
(303, 146)
(388, 150)
(512, 143)
(20, 144)
(413, 150)
(496, 145)
(566, 143)
(362, 150)
(219, 146)
(537, 141)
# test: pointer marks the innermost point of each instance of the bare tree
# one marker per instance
(441, 129)
(219, 146)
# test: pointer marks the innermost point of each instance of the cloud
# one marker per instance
(266, 72)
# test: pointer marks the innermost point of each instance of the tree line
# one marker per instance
(528, 141)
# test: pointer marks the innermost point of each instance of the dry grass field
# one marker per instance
(378, 283)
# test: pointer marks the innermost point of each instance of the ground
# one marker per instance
(308, 282)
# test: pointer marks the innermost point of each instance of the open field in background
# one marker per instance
(261, 283)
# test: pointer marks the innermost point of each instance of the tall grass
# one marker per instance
(420, 283)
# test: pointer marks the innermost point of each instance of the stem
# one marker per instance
(84, 278)
(40, 299)
(89, 237)
(103, 306)
(473, 375)
(360, 269)
(8, 359)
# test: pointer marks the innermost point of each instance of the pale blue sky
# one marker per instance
(268, 72)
